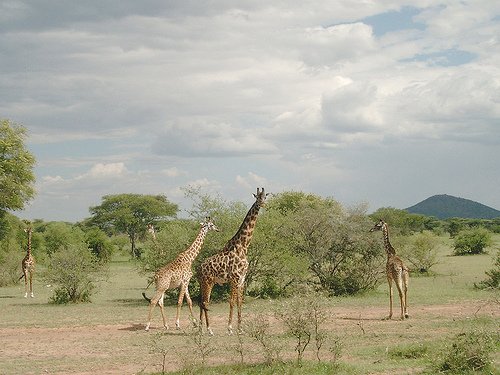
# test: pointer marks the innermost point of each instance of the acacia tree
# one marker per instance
(130, 214)
(16, 167)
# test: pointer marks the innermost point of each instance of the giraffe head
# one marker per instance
(209, 224)
(151, 229)
(378, 226)
(260, 197)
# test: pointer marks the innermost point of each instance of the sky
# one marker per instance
(383, 103)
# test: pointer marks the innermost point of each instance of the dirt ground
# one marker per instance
(126, 348)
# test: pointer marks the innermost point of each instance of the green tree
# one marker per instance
(16, 167)
(59, 235)
(342, 256)
(130, 214)
(472, 241)
(99, 243)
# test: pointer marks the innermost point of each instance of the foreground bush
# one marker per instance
(469, 352)
(74, 271)
(493, 280)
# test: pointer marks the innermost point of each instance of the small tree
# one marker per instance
(74, 271)
(472, 241)
(258, 329)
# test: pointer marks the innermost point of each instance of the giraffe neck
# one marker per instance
(192, 251)
(387, 244)
(29, 243)
(243, 236)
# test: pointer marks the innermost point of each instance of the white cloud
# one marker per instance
(104, 171)
(251, 180)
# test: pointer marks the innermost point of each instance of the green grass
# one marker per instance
(38, 337)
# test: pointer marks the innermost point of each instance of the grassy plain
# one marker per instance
(107, 336)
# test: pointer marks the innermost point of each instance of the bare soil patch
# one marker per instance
(125, 348)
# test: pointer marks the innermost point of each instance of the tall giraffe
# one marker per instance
(28, 266)
(396, 271)
(177, 274)
(230, 266)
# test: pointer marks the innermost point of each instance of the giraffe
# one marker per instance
(151, 230)
(28, 267)
(396, 271)
(177, 274)
(230, 265)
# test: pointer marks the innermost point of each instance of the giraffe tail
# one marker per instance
(144, 293)
(21, 277)
(202, 304)
(146, 297)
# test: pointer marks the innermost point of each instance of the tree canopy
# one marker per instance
(131, 213)
(16, 167)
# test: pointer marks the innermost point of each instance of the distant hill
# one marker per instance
(446, 206)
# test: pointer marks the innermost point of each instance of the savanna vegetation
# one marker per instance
(315, 290)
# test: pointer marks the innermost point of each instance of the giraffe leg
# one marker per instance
(406, 278)
(31, 285)
(25, 273)
(240, 303)
(232, 300)
(154, 301)
(389, 280)
(190, 305)
(206, 290)
(162, 309)
(179, 305)
(399, 285)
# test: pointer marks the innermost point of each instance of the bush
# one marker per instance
(10, 267)
(99, 244)
(420, 251)
(468, 352)
(472, 241)
(74, 271)
(493, 281)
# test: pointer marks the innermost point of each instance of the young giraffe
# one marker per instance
(28, 267)
(396, 271)
(230, 266)
(177, 274)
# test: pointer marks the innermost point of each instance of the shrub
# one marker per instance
(420, 251)
(74, 271)
(472, 241)
(493, 281)
(304, 318)
(10, 267)
(468, 352)
(258, 329)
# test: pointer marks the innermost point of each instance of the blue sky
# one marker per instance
(384, 103)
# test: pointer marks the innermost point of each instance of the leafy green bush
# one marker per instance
(468, 352)
(74, 271)
(421, 251)
(472, 241)
(493, 281)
